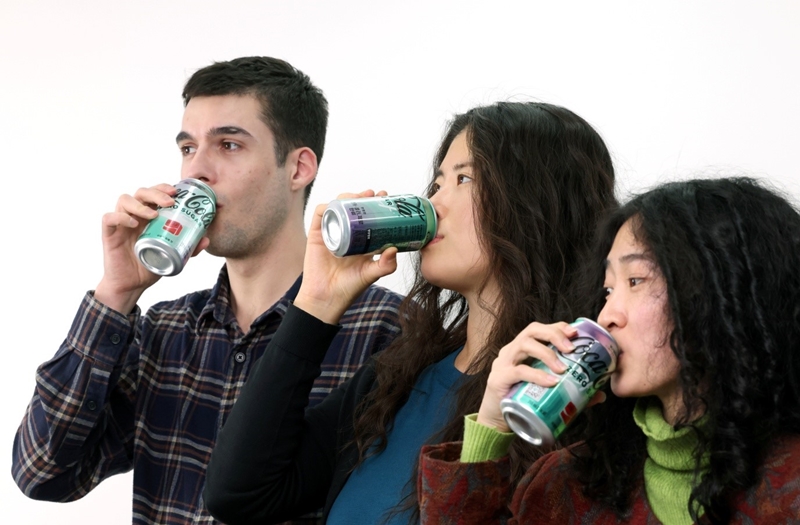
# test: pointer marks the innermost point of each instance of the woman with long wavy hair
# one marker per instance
(702, 421)
(518, 190)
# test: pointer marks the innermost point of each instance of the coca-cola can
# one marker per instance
(169, 240)
(539, 414)
(372, 224)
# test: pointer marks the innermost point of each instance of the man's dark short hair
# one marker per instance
(293, 108)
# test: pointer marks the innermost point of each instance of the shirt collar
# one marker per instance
(218, 304)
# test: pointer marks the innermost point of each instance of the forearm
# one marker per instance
(65, 444)
(452, 491)
(269, 462)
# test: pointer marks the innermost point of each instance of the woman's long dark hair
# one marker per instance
(729, 252)
(544, 178)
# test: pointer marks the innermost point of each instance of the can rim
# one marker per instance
(594, 330)
(524, 422)
(335, 234)
(144, 247)
(202, 185)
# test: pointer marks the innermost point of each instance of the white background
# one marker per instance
(90, 106)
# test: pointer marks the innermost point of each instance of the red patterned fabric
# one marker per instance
(452, 492)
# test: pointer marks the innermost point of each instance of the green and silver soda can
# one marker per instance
(372, 224)
(170, 239)
(539, 414)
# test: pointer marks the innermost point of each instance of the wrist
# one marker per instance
(483, 443)
(498, 424)
(489, 415)
(327, 311)
(121, 301)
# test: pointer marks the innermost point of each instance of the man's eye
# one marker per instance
(230, 146)
(187, 150)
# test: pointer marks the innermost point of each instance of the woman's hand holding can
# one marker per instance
(511, 367)
(331, 284)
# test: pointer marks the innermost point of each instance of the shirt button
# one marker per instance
(240, 357)
(115, 339)
(91, 405)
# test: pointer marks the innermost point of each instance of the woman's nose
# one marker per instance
(611, 315)
(438, 200)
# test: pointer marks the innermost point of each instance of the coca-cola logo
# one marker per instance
(182, 192)
(408, 207)
(590, 363)
(199, 207)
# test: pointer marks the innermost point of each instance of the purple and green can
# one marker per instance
(539, 414)
(169, 240)
(372, 224)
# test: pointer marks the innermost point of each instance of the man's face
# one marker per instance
(225, 144)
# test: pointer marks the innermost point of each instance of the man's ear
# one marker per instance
(304, 167)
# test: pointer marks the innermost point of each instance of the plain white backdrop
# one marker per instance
(90, 106)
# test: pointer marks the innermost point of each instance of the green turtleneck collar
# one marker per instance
(669, 468)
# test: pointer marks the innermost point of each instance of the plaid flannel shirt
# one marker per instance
(151, 392)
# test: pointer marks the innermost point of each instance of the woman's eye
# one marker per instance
(434, 188)
(633, 281)
(607, 291)
(462, 179)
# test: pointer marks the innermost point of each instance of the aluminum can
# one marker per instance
(539, 414)
(372, 224)
(169, 240)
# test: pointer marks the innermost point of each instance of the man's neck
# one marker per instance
(260, 280)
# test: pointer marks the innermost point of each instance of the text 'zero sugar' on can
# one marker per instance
(372, 224)
(170, 239)
(539, 414)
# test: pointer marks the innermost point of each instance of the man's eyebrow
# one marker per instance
(228, 130)
(215, 132)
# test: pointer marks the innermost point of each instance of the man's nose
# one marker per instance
(201, 167)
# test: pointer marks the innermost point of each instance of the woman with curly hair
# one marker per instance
(518, 189)
(702, 422)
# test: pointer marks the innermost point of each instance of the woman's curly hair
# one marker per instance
(729, 252)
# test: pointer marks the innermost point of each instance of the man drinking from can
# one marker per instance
(149, 392)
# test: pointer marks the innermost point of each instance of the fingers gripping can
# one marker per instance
(539, 414)
(370, 225)
(170, 239)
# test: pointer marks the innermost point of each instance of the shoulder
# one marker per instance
(194, 300)
(377, 305)
(776, 494)
(378, 296)
(782, 461)
(191, 302)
